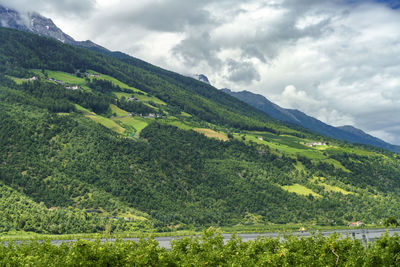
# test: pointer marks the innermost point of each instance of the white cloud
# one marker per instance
(294, 98)
(64, 8)
(309, 103)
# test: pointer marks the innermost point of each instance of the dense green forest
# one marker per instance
(98, 159)
(208, 250)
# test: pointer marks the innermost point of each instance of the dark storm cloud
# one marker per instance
(242, 72)
(197, 48)
(252, 50)
(67, 8)
(169, 15)
(160, 15)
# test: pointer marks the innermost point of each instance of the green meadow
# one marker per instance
(118, 112)
(137, 123)
(300, 190)
(108, 123)
(114, 81)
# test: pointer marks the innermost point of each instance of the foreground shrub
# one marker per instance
(209, 250)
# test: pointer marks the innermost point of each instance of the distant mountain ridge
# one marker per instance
(343, 133)
(36, 23)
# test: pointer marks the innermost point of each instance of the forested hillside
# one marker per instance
(97, 144)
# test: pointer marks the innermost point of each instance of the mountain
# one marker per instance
(345, 133)
(98, 143)
(202, 78)
(369, 138)
(36, 23)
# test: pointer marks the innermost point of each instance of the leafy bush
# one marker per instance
(208, 250)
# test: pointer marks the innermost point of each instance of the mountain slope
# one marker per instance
(97, 148)
(369, 138)
(183, 93)
(346, 133)
(42, 26)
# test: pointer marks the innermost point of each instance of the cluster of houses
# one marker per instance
(316, 144)
(56, 81)
(92, 74)
(148, 116)
(70, 87)
(73, 87)
(34, 78)
(152, 116)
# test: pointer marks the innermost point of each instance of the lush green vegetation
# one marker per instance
(208, 250)
(24, 51)
(96, 162)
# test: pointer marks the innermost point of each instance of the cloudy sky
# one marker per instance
(336, 60)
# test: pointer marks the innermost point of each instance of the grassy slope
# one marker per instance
(114, 81)
(108, 123)
(300, 190)
(143, 98)
(137, 123)
(186, 94)
(285, 144)
(118, 112)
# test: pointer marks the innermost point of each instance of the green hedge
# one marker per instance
(209, 250)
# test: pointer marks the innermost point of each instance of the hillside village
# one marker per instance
(312, 144)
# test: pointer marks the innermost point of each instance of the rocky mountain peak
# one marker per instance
(38, 24)
(32, 22)
(202, 78)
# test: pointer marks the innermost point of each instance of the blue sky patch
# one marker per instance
(392, 3)
(395, 4)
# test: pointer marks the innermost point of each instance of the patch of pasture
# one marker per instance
(212, 134)
(134, 122)
(118, 112)
(84, 110)
(300, 190)
(108, 123)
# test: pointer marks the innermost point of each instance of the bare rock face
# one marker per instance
(45, 27)
(202, 78)
(32, 22)
(36, 23)
(11, 19)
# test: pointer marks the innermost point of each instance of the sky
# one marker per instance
(336, 60)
